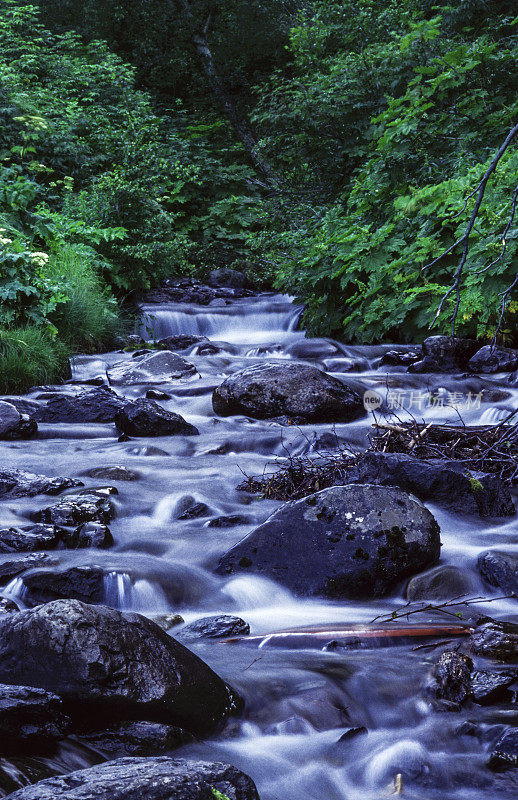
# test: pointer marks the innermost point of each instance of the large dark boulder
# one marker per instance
(444, 354)
(445, 483)
(14, 424)
(347, 541)
(493, 359)
(296, 391)
(147, 418)
(159, 778)
(150, 368)
(95, 405)
(18, 483)
(74, 509)
(106, 664)
(30, 718)
(500, 570)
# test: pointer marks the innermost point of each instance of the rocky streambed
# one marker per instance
(166, 635)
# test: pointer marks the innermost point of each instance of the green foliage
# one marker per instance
(219, 795)
(396, 125)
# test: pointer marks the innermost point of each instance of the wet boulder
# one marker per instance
(504, 754)
(29, 539)
(445, 483)
(496, 640)
(18, 483)
(105, 664)
(230, 278)
(228, 521)
(493, 687)
(150, 368)
(440, 583)
(74, 509)
(346, 541)
(158, 778)
(444, 354)
(493, 359)
(85, 583)
(296, 391)
(12, 567)
(451, 679)
(95, 405)
(398, 358)
(157, 394)
(220, 627)
(500, 570)
(30, 719)
(181, 341)
(147, 418)
(134, 739)
(91, 534)
(14, 424)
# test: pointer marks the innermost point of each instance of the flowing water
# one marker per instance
(299, 702)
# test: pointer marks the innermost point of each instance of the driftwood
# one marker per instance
(331, 636)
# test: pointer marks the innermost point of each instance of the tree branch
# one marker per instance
(464, 240)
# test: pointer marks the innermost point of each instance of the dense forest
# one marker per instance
(334, 149)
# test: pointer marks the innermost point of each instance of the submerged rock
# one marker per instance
(219, 627)
(112, 473)
(150, 368)
(440, 583)
(498, 640)
(500, 570)
(106, 664)
(147, 418)
(14, 424)
(346, 541)
(92, 534)
(444, 482)
(18, 483)
(159, 778)
(296, 391)
(451, 679)
(493, 359)
(30, 718)
(75, 509)
(95, 405)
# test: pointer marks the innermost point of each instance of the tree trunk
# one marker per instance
(238, 122)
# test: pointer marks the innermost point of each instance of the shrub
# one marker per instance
(28, 357)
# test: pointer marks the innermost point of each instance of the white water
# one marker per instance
(298, 703)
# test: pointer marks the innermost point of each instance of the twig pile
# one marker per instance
(484, 448)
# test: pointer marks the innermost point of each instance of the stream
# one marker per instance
(299, 702)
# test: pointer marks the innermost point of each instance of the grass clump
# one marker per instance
(29, 356)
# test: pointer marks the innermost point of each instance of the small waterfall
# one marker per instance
(252, 322)
(125, 594)
(16, 591)
(250, 591)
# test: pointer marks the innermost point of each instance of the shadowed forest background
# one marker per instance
(331, 149)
